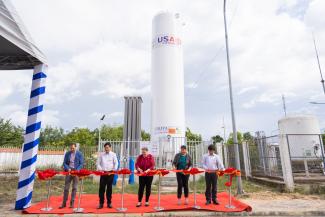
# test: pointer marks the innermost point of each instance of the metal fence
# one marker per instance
(231, 159)
(163, 151)
(52, 156)
(306, 154)
(265, 157)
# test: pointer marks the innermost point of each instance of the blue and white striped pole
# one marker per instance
(31, 139)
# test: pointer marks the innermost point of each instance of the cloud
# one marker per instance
(99, 51)
(246, 89)
(51, 117)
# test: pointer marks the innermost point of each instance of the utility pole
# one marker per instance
(320, 69)
(239, 181)
(284, 106)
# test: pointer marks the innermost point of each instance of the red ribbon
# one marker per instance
(161, 172)
(49, 173)
(46, 174)
(102, 173)
(192, 171)
(123, 172)
(81, 173)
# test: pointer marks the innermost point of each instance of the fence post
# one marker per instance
(286, 162)
(246, 159)
(225, 148)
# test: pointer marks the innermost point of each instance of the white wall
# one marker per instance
(10, 161)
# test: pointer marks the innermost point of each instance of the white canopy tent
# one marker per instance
(18, 50)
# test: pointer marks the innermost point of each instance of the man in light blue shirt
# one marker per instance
(211, 163)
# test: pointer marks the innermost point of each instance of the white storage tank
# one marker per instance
(303, 136)
(167, 78)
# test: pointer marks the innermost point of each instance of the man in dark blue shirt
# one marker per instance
(73, 160)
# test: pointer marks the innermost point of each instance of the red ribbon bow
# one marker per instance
(231, 172)
(46, 174)
(162, 172)
(192, 171)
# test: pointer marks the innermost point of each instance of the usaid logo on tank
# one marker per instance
(166, 40)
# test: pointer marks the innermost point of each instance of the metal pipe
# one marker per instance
(194, 183)
(239, 182)
(48, 193)
(158, 208)
(48, 208)
(229, 205)
(122, 209)
(79, 210)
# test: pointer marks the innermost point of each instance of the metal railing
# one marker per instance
(265, 157)
(306, 154)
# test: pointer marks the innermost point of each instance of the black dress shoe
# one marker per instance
(109, 205)
(100, 206)
(207, 202)
(71, 206)
(62, 206)
(216, 202)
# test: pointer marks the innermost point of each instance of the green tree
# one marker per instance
(10, 135)
(83, 136)
(145, 136)
(247, 136)
(108, 132)
(230, 140)
(190, 136)
(52, 136)
(216, 139)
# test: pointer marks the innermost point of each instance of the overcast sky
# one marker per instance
(99, 51)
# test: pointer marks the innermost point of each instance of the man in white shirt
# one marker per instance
(211, 163)
(107, 162)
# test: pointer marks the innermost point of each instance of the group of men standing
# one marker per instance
(107, 161)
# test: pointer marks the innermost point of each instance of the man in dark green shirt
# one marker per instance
(182, 161)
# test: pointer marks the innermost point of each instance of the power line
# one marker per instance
(204, 68)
